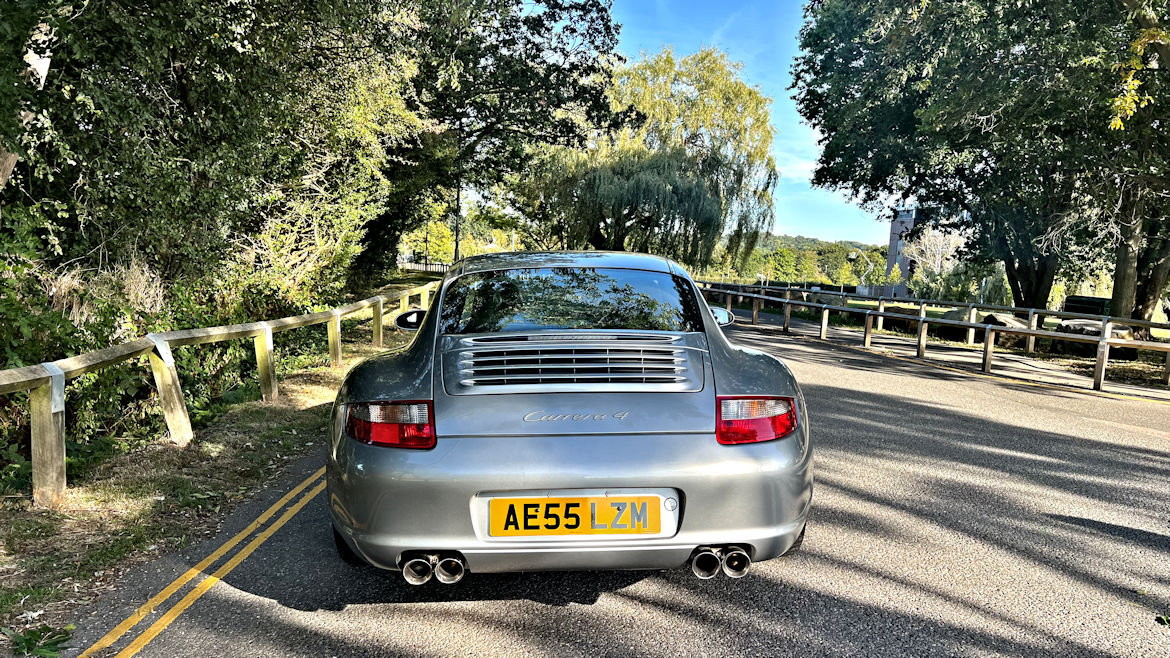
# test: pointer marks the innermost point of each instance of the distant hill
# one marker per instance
(772, 242)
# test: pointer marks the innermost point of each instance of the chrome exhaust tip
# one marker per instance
(705, 564)
(736, 563)
(450, 570)
(418, 570)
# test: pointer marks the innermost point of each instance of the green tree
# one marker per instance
(992, 117)
(784, 264)
(807, 270)
(499, 76)
(186, 164)
(431, 243)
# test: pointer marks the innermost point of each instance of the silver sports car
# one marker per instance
(568, 411)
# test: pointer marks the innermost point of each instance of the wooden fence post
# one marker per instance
(727, 298)
(788, 312)
(824, 322)
(170, 392)
(1166, 373)
(881, 309)
(47, 416)
(988, 347)
(971, 312)
(1102, 355)
(868, 336)
(922, 338)
(426, 298)
(377, 325)
(755, 310)
(1030, 341)
(266, 364)
(404, 304)
(335, 340)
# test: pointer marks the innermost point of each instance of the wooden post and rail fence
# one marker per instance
(1104, 341)
(46, 382)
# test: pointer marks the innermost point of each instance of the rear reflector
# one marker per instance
(753, 419)
(395, 424)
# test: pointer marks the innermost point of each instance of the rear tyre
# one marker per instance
(799, 540)
(344, 552)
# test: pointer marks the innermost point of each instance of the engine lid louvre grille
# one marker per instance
(574, 362)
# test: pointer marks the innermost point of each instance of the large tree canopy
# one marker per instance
(994, 114)
(698, 165)
(500, 76)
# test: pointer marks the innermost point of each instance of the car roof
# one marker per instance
(533, 259)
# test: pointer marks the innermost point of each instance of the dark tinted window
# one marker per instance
(569, 298)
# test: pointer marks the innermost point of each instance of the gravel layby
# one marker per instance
(953, 515)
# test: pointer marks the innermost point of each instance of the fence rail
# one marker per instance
(425, 267)
(1104, 342)
(918, 301)
(46, 382)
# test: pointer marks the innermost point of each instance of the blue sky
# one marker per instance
(762, 36)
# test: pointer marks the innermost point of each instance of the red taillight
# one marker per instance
(396, 424)
(753, 419)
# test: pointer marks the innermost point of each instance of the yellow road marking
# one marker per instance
(146, 608)
(207, 583)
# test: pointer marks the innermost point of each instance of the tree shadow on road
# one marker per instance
(934, 532)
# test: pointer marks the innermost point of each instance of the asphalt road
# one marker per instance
(953, 515)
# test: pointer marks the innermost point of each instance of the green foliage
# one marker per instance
(500, 75)
(991, 118)
(186, 165)
(433, 243)
(697, 166)
(815, 262)
(43, 640)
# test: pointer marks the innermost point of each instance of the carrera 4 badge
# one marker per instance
(541, 417)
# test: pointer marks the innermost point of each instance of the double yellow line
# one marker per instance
(177, 609)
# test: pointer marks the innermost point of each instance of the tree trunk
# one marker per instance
(1009, 267)
(1125, 271)
(1155, 267)
(597, 239)
(1045, 278)
(458, 185)
(1030, 277)
(7, 163)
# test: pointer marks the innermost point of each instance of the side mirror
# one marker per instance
(410, 320)
(722, 317)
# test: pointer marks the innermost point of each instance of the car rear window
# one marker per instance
(569, 298)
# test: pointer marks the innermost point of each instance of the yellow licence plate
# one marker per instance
(613, 515)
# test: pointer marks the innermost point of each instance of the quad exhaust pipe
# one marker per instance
(707, 562)
(447, 570)
(736, 562)
(450, 570)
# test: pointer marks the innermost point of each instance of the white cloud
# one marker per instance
(794, 168)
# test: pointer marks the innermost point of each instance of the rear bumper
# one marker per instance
(387, 502)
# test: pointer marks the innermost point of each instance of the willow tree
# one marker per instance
(697, 167)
